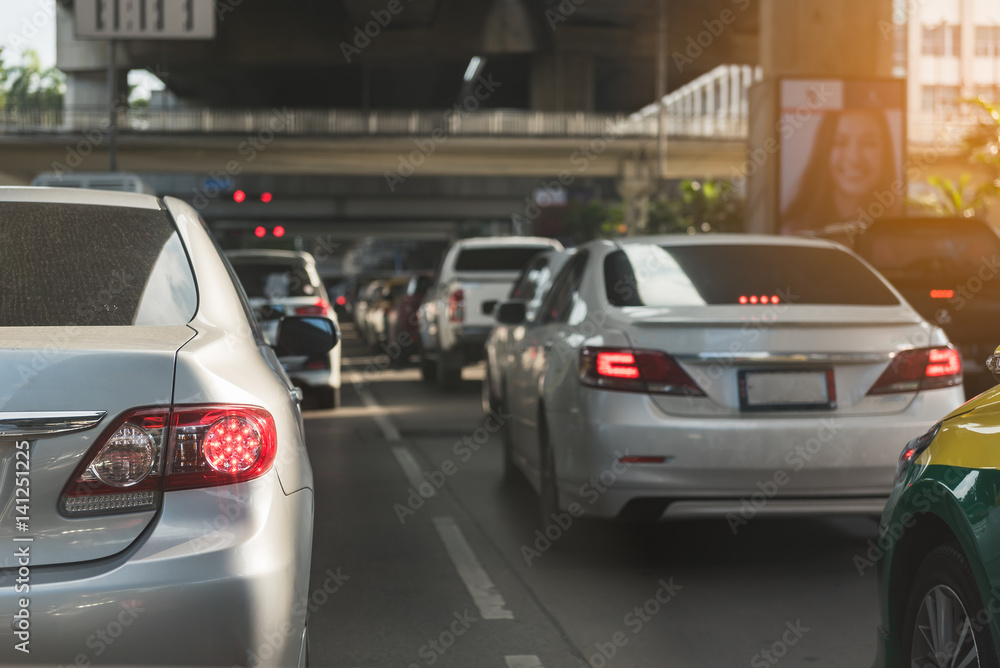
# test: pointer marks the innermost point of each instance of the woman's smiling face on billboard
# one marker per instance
(857, 154)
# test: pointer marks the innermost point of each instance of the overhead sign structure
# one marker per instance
(145, 19)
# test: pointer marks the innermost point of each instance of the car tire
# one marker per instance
(327, 398)
(488, 401)
(945, 578)
(449, 372)
(548, 489)
(428, 369)
(511, 474)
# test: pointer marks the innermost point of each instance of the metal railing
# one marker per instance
(330, 122)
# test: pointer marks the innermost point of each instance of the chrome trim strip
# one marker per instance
(786, 358)
(47, 423)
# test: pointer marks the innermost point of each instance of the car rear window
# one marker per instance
(82, 265)
(650, 275)
(274, 280)
(921, 252)
(501, 258)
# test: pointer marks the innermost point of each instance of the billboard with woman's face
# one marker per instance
(841, 152)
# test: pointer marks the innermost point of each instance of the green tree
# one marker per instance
(25, 85)
(982, 146)
(699, 206)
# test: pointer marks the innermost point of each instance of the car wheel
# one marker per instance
(548, 493)
(489, 403)
(511, 474)
(327, 397)
(428, 369)
(449, 372)
(945, 616)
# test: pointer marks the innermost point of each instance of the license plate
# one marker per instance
(787, 390)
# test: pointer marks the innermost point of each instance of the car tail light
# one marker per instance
(456, 306)
(913, 450)
(152, 450)
(318, 363)
(318, 308)
(942, 294)
(649, 371)
(341, 300)
(920, 369)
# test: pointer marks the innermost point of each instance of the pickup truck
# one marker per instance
(457, 316)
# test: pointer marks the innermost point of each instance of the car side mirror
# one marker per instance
(306, 336)
(489, 306)
(512, 313)
(993, 364)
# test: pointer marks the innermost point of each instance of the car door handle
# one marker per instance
(296, 394)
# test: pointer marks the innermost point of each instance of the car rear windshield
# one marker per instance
(82, 265)
(930, 251)
(499, 258)
(650, 275)
(274, 280)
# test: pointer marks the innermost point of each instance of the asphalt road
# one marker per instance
(399, 580)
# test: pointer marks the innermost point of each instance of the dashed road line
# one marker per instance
(411, 469)
(484, 593)
(378, 412)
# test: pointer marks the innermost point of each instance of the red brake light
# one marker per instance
(341, 300)
(239, 196)
(942, 294)
(943, 362)
(148, 451)
(260, 232)
(318, 308)
(920, 369)
(617, 365)
(456, 306)
(266, 197)
(649, 371)
(279, 231)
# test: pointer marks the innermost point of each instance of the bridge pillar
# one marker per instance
(806, 38)
(636, 184)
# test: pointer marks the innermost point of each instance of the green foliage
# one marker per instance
(26, 85)
(699, 206)
(594, 220)
(962, 198)
(953, 199)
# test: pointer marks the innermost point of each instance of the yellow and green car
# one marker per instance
(939, 544)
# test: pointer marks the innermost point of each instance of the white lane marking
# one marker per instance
(523, 661)
(484, 593)
(412, 471)
(378, 413)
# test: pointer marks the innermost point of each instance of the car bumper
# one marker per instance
(228, 588)
(715, 466)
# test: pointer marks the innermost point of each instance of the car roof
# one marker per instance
(45, 195)
(729, 240)
(477, 242)
(267, 254)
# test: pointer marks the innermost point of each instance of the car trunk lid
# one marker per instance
(63, 387)
(781, 359)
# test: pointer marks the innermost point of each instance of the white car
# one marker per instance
(732, 376)
(281, 283)
(457, 314)
(530, 288)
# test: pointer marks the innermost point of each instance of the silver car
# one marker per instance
(156, 501)
(729, 376)
(281, 283)
(530, 289)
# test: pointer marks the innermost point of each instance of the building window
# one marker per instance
(942, 40)
(940, 99)
(988, 40)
